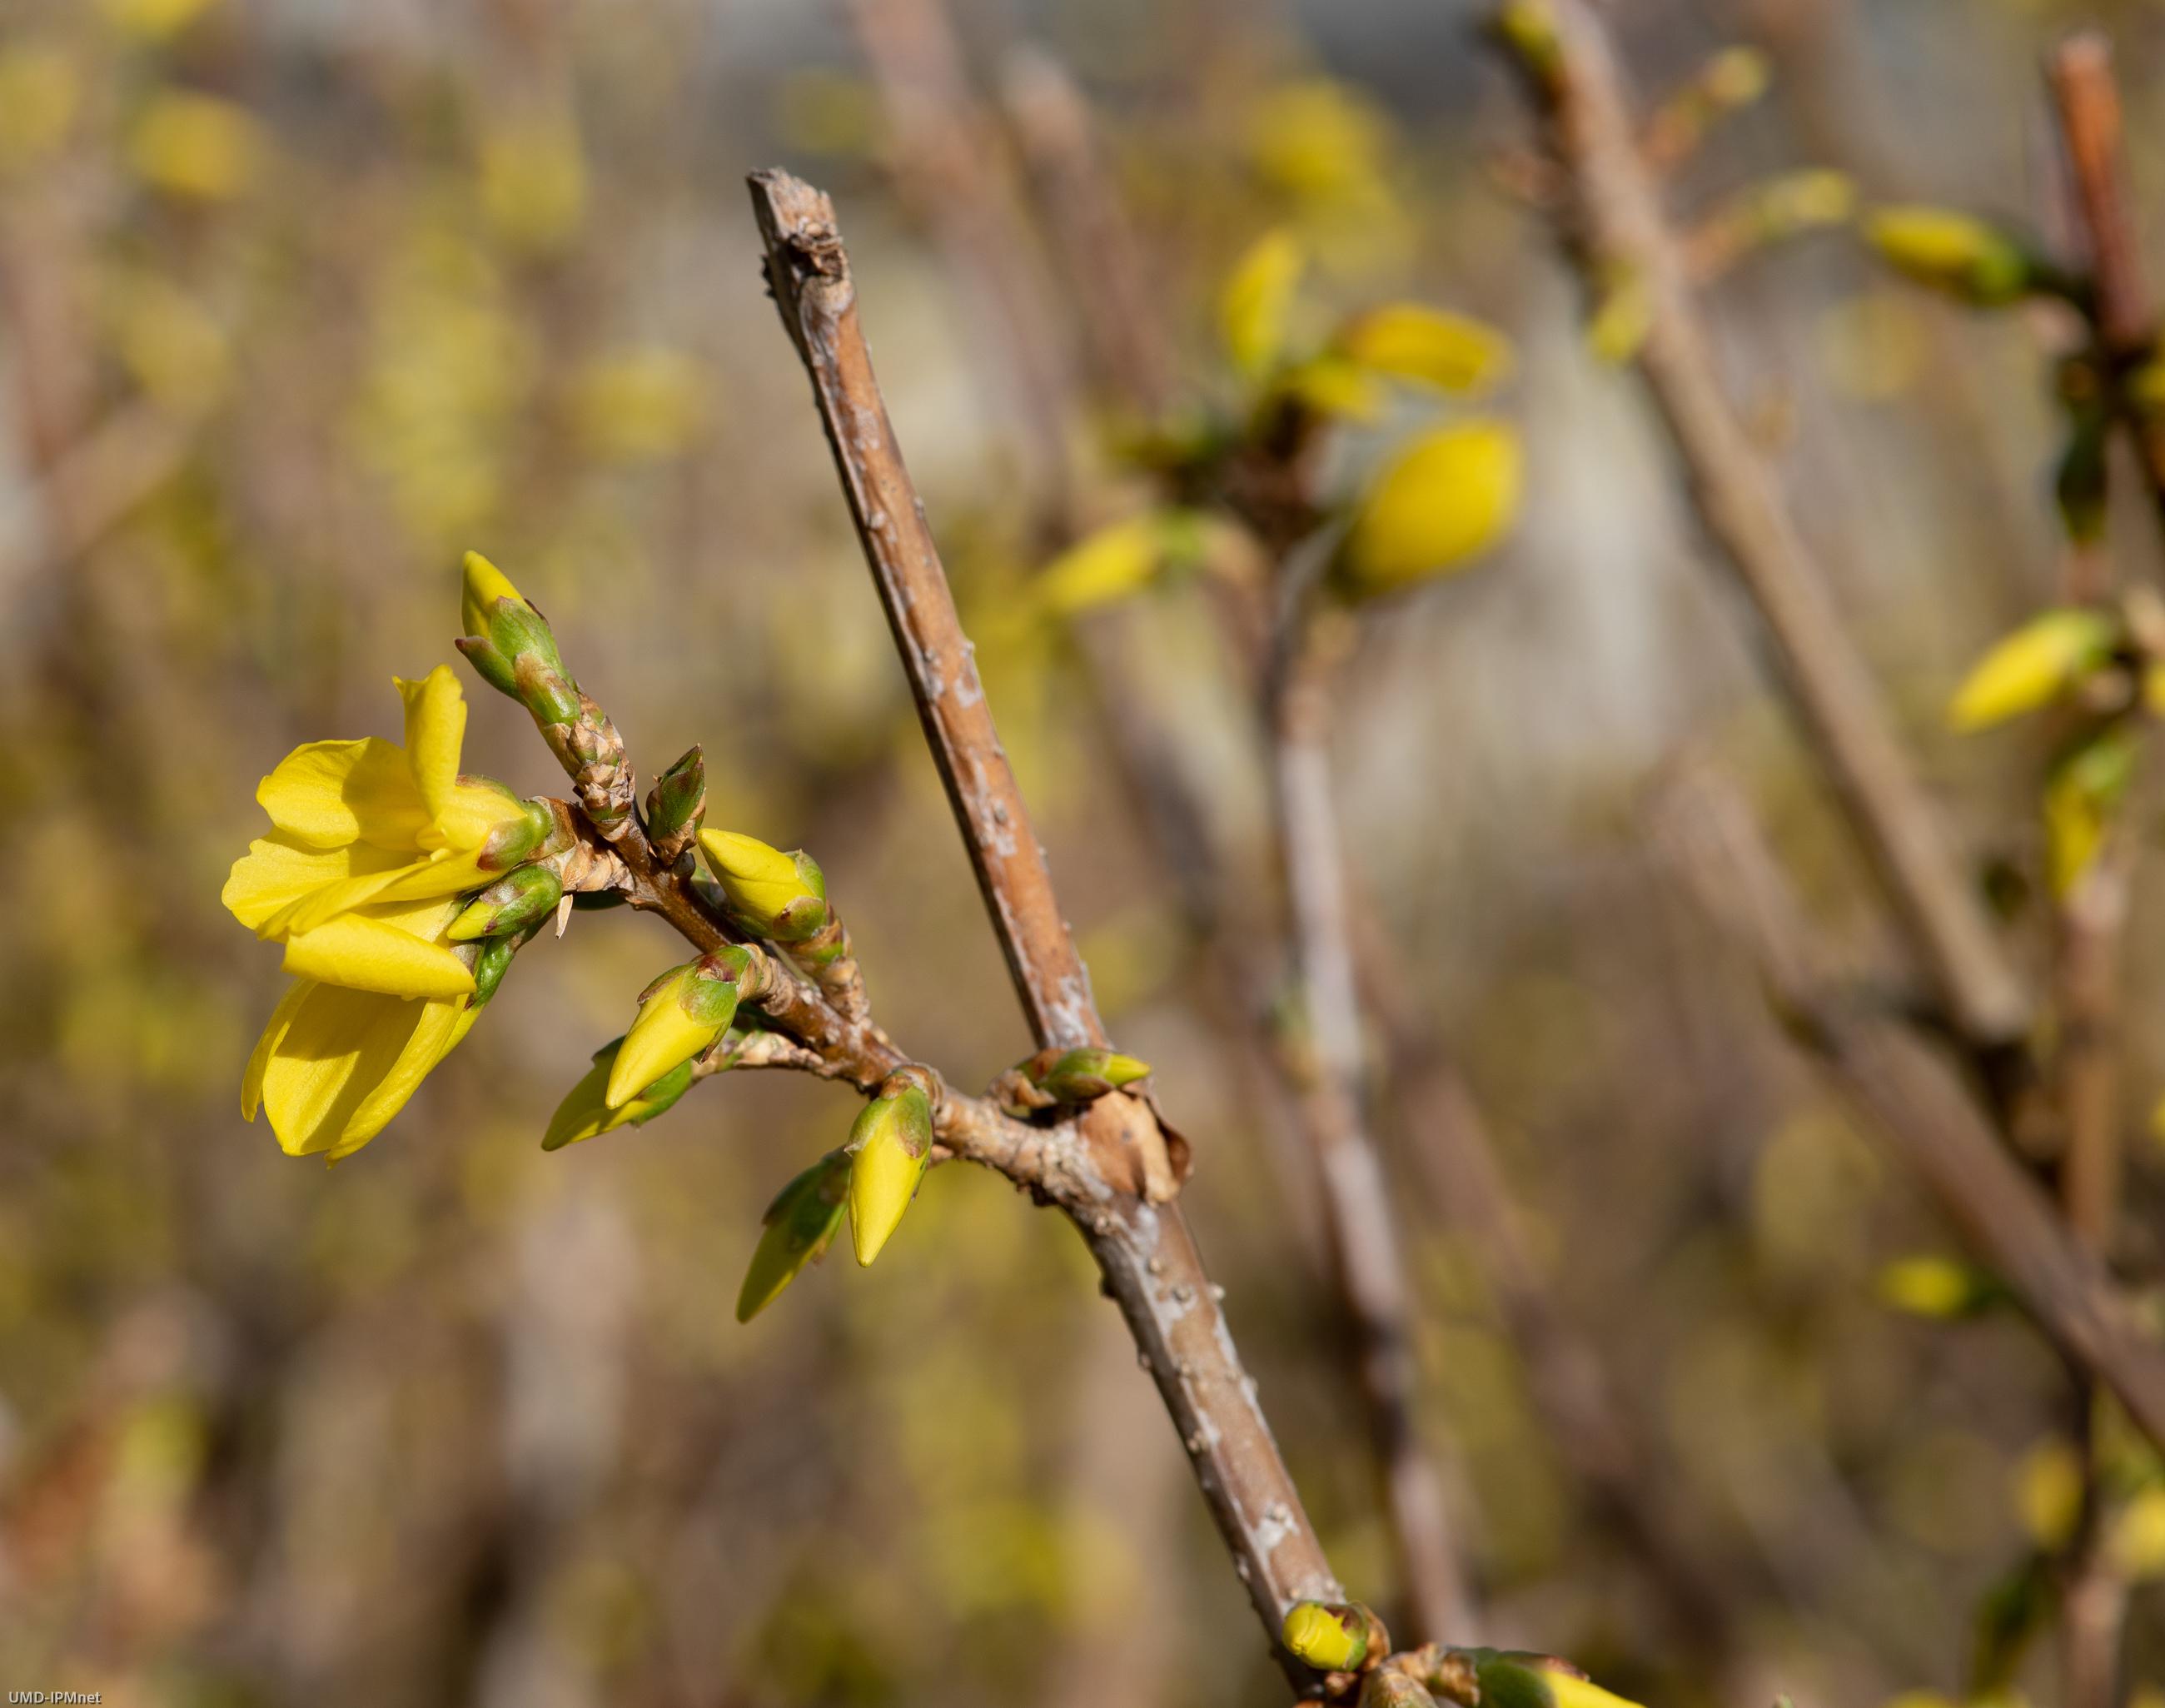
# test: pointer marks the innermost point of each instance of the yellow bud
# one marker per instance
(891, 1145)
(1431, 346)
(1951, 252)
(195, 145)
(1933, 1287)
(1105, 566)
(481, 585)
(1441, 502)
(2137, 1541)
(1255, 309)
(773, 889)
(1331, 1639)
(2031, 667)
(680, 1013)
(1569, 1690)
(2048, 1491)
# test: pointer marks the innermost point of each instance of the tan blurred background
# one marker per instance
(302, 299)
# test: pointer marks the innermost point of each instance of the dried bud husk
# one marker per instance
(585, 1111)
(2034, 666)
(1967, 258)
(675, 806)
(798, 1228)
(522, 897)
(1441, 502)
(775, 895)
(504, 631)
(1393, 1690)
(1333, 1636)
(680, 1015)
(892, 1146)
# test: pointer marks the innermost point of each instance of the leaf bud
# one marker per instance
(890, 1143)
(797, 1229)
(521, 898)
(676, 804)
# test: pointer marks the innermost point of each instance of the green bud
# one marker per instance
(892, 1144)
(502, 631)
(779, 895)
(1514, 1678)
(1967, 258)
(680, 1015)
(585, 1112)
(1331, 1636)
(798, 1228)
(522, 897)
(676, 804)
(517, 840)
(551, 696)
(1080, 1076)
(490, 965)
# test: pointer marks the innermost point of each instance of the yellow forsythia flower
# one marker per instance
(1319, 140)
(370, 844)
(1431, 346)
(197, 145)
(1255, 309)
(1103, 567)
(2033, 666)
(1442, 501)
(891, 1147)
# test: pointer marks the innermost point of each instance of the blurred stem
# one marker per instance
(1624, 231)
(2089, 922)
(1329, 1074)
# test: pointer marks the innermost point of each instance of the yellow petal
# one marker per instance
(1105, 566)
(275, 873)
(325, 901)
(330, 793)
(347, 1063)
(251, 1081)
(1256, 306)
(470, 814)
(364, 954)
(435, 731)
(1412, 341)
(1443, 501)
(443, 874)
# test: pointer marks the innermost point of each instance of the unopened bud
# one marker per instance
(1940, 1288)
(490, 964)
(523, 828)
(777, 895)
(680, 1015)
(2034, 666)
(797, 1229)
(585, 1111)
(1081, 1076)
(1963, 256)
(1333, 1636)
(519, 898)
(676, 804)
(1512, 1679)
(504, 633)
(1438, 504)
(891, 1144)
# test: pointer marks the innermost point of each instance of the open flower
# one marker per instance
(372, 845)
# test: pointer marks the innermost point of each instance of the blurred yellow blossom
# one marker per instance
(640, 405)
(41, 91)
(534, 180)
(1439, 503)
(153, 20)
(166, 340)
(194, 145)
(1255, 307)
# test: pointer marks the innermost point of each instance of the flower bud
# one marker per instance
(1512, 1679)
(680, 1015)
(2033, 666)
(521, 898)
(502, 633)
(1255, 309)
(1330, 1636)
(676, 804)
(892, 1146)
(490, 964)
(1429, 346)
(797, 1229)
(779, 895)
(585, 1111)
(1441, 502)
(1939, 1288)
(1965, 257)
